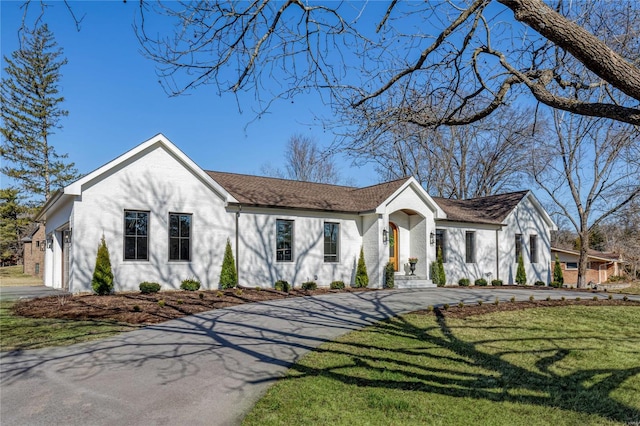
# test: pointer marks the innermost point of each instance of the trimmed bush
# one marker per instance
(362, 279)
(282, 285)
(389, 278)
(309, 285)
(521, 274)
(480, 282)
(228, 275)
(555, 284)
(464, 282)
(539, 283)
(337, 285)
(557, 272)
(102, 281)
(496, 283)
(442, 276)
(147, 287)
(190, 284)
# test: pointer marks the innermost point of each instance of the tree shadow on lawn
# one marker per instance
(586, 391)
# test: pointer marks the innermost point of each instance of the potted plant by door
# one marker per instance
(412, 264)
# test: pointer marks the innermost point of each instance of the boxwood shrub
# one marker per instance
(539, 283)
(555, 284)
(480, 282)
(148, 287)
(496, 283)
(309, 285)
(337, 285)
(282, 285)
(464, 282)
(190, 284)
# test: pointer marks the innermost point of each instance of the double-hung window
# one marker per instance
(179, 236)
(284, 240)
(136, 235)
(533, 248)
(470, 247)
(331, 241)
(441, 244)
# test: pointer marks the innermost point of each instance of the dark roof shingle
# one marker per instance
(273, 192)
(491, 210)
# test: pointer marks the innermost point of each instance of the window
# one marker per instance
(331, 241)
(470, 247)
(37, 268)
(518, 246)
(179, 236)
(136, 235)
(572, 265)
(284, 240)
(441, 238)
(533, 248)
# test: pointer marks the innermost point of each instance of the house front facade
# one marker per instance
(165, 219)
(600, 265)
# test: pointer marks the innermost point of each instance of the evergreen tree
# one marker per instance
(14, 221)
(521, 275)
(30, 111)
(362, 279)
(442, 276)
(102, 282)
(228, 275)
(557, 271)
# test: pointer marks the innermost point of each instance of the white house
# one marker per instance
(165, 219)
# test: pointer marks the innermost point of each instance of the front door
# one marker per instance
(393, 245)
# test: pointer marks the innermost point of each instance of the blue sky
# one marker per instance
(115, 101)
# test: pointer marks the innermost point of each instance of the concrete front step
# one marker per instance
(412, 281)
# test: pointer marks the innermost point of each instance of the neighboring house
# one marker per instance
(165, 219)
(600, 265)
(33, 252)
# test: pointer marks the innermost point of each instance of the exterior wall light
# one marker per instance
(432, 238)
(385, 236)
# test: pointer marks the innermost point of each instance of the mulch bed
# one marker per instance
(138, 308)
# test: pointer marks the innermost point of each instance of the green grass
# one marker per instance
(564, 366)
(634, 289)
(13, 276)
(30, 333)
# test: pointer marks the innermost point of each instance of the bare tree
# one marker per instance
(304, 161)
(587, 169)
(476, 160)
(430, 63)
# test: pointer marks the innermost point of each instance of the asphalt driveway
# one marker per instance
(208, 369)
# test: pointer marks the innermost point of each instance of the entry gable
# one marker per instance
(412, 185)
(157, 142)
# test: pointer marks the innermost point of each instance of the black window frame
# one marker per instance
(180, 238)
(281, 252)
(441, 242)
(573, 267)
(328, 245)
(136, 238)
(518, 247)
(533, 248)
(470, 247)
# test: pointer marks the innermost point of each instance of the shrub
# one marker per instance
(362, 279)
(521, 274)
(282, 285)
(557, 272)
(548, 299)
(136, 308)
(496, 283)
(337, 285)
(531, 298)
(190, 284)
(445, 306)
(539, 283)
(563, 298)
(555, 284)
(258, 288)
(228, 275)
(513, 299)
(147, 287)
(430, 308)
(595, 298)
(239, 292)
(577, 299)
(480, 282)
(161, 303)
(102, 281)
(389, 279)
(496, 302)
(201, 296)
(610, 296)
(625, 298)
(179, 301)
(464, 282)
(480, 302)
(460, 304)
(309, 285)
(437, 274)
(219, 293)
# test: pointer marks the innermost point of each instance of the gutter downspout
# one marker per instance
(497, 256)
(237, 249)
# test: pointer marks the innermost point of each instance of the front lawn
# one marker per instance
(13, 276)
(570, 365)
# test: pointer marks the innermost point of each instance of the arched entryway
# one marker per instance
(394, 243)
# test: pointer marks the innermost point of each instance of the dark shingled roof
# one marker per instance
(272, 192)
(491, 210)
